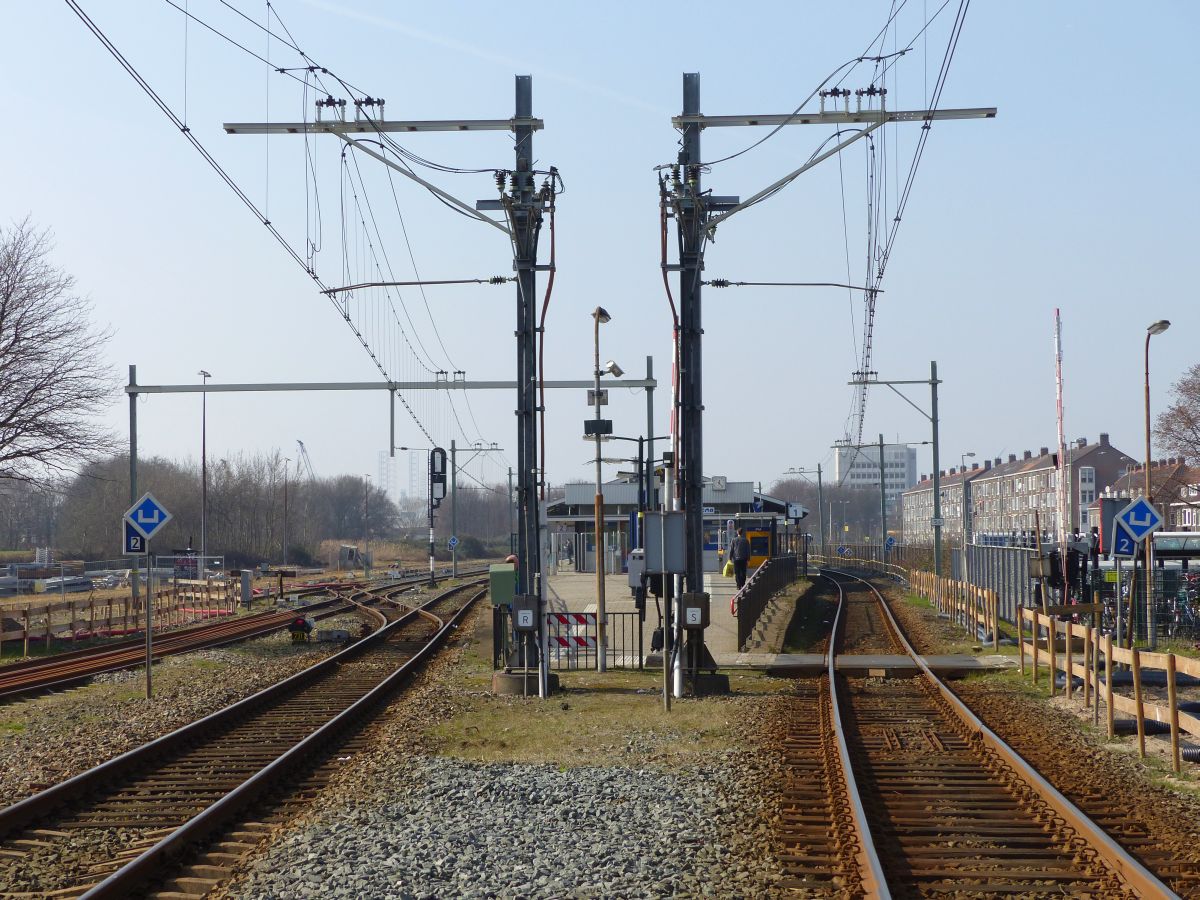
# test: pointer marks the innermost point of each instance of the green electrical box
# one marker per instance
(502, 583)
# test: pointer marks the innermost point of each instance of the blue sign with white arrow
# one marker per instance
(1139, 518)
(147, 516)
(841, 551)
(133, 544)
(453, 542)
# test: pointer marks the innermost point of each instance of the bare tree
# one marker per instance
(1178, 426)
(53, 381)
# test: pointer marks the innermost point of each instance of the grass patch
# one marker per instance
(614, 718)
(620, 720)
(918, 601)
(10, 726)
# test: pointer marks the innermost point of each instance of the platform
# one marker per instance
(797, 664)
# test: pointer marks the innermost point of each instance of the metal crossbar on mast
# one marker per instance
(523, 206)
(697, 214)
(932, 416)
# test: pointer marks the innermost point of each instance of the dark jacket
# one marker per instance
(739, 549)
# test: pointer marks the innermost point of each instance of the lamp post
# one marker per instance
(964, 512)
(367, 526)
(820, 505)
(600, 317)
(204, 376)
(1156, 328)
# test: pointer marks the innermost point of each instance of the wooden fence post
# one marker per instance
(1137, 699)
(1036, 638)
(1051, 642)
(1087, 666)
(1108, 690)
(25, 622)
(1070, 658)
(1021, 641)
(1173, 703)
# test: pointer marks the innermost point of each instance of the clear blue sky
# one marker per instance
(1081, 194)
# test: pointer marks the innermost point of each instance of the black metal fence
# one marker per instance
(767, 580)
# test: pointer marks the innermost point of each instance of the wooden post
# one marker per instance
(1051, 640)
(1021, 638)
(92, 616)
(1108, 691)
(995, 598)
(1087, 666)
(1173, 704)
(1137, 699)
(1035, 647)
(1070, 658)
(74, 616)
(25, 622)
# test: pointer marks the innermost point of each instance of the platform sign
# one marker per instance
(133, 543)
(1123, 543)
(147, 516)
(1139, 518)
(937, 522)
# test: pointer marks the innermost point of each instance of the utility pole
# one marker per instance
(870, 378)
(522, 205)
(882, 500)
(820, 504)
(454, 509)
(696, 218)
(512, 512)
(478, 448)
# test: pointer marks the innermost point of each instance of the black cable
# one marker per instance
(166, 110)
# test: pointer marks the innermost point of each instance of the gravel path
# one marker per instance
(47, 739)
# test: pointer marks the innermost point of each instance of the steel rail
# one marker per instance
(76, 667)
(870, 868)
(130, 877)
(1137, 876)
(29, 810)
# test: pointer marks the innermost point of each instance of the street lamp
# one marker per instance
(1156, 328)
(601, 317)
(204, 376)
(963, 511)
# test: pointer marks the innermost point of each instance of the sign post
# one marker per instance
(1139, 520)
(143, 520)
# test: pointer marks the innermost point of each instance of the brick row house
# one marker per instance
(1010, 497)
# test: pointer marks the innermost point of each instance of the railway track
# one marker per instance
(902, 791)
(117, 830)
(65, 670)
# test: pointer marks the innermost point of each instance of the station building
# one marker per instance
(571, 521)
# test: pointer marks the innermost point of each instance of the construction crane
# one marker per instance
(303, 462)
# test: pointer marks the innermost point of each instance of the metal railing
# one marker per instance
(766, 581)
(572, 639)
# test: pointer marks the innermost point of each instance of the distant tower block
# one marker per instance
(387, 473)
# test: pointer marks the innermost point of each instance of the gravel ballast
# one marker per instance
(462, 829)
(47, 739)
(447, 800)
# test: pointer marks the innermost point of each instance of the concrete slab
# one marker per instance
(796, 664)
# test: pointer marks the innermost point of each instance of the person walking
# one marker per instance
(739, 555)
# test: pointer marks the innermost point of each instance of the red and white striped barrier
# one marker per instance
(577, 641)
(571, 619)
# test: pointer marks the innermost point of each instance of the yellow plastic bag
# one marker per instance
(728, 570)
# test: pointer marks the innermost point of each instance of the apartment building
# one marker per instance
(858, 467)
(1002, 496)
